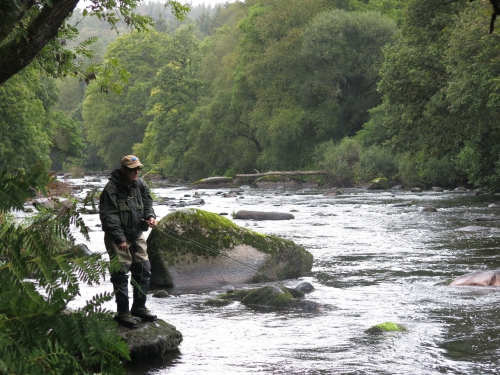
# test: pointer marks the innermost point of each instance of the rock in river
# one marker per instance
(150, 339)
(269, 296)
(480, 278)
(196, 248)
(260, 215)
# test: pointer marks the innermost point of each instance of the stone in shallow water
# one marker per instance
(259, 215)
(480, 278)
(386, 327)
(305, 287)
(473, 228)
(150, 339)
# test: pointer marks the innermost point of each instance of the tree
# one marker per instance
(31, 127)
(413, 78)
(32, 29)
(473, 93)
(174, 94)
(115, 121)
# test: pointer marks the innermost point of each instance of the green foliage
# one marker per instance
(39, 30)
(38, 280)
(392, 8)
(31, 127)
(114, 122)
(409, 171)
(340, 160)
(442, 172)
(374, 131)
(174, 95)
(377, 161)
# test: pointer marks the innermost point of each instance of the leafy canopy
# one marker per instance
(38, 29)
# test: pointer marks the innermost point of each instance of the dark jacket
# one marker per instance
(123, 209)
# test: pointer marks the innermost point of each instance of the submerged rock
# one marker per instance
(473, 228)
(150, 339)
(428, 209)
(486, 219)
(213, 250)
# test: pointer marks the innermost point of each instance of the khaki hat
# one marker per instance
(131, 161)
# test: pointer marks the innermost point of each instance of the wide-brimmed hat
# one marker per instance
(131, 161)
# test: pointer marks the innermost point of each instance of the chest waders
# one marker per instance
(140, 276)
(134, 260)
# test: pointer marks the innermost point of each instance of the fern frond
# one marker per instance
(16, 187)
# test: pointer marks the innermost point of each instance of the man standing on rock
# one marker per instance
(126, 210)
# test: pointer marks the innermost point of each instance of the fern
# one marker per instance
(38, 278)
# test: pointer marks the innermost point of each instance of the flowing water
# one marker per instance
(373, 262)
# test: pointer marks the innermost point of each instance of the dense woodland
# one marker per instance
(406, 90)
(403, 89)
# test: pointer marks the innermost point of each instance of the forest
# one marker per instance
(406, 90)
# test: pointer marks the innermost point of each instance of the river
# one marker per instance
(373, 262)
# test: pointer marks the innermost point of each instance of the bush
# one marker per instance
(340, 160)
(441, 172)
(76, 172)
(409, 172)
(377, 161)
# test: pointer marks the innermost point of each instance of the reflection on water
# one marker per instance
(374, 262)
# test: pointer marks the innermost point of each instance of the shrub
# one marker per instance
(377, 161)
(441, 172)
(340, 160)
(409, 170)
(76, 172)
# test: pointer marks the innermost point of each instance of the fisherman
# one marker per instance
(126, 210)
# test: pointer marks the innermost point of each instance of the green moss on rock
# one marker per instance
(386, 327)
(185, 236)
(271, 296)
(218, 302)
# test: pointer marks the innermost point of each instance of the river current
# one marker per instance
(373, 262)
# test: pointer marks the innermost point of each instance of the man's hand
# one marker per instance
(151, 222)
(123, 246)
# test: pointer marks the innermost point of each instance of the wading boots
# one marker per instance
(143, 313)
(126, 320)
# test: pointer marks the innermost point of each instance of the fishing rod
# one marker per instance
(205, 247)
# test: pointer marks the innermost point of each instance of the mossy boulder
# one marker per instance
(269, 296)
(386, 327)
(150, 339)
(196, 248)
(378, 184)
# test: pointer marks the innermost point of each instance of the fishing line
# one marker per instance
(204, 247)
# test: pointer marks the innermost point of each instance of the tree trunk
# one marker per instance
(287, 173)
(20, 52)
